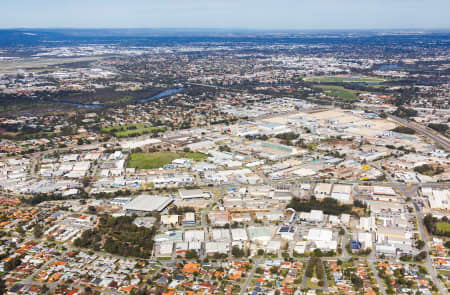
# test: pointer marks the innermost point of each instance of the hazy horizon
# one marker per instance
(230, 14)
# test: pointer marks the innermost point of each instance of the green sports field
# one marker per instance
(339, 92)
(131, 130)
(159, 159)
(443, 227)
(344, 79)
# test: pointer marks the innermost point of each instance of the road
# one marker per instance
(428, 264)
(29, 279)
(433, 135)
(375, 273)
(325, 278)
(411, 193)
(52, 286)
(250, 276)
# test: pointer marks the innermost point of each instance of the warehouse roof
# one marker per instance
(148, 203)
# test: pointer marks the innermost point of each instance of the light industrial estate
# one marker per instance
(248, 164)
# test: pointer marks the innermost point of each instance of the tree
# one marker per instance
(37, 230)
(421, 256)
(2, 286)
(191, 254)
(420, 244)
(44, 289)
(285, 255)
(92, 210)
(224, 148)
(405, 112)
(236, 251)
(357, 282)
(13, 263)
(85, 181)
(328, 205)
(442, 128)
(404, 129)
(447, 244)
(20, 230)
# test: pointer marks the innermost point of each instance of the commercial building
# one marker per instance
(342, 193)
(192, 194)
(322, 190)
(148, 203)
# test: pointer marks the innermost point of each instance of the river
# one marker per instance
(161, 94)
(97, 106)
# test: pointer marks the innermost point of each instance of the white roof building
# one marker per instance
(216, 247)
(194, 235)
(271, 216)
(365, 238)
(322, 190)
(169, 219)
(181, 247)
(239, 234)
(300, 247)
(148, 203)
(345, 219)
(273, 246)
(326, 245)
(174, 236)
(367, 223)
(319, 234)
(386, 249)
(192, 194)
(316, 216)
(220, 234)
(384, 190)
(440, 199)
(342, 193)
(333, 219)
(132, 144)
(259, 234)
(195, 245)
(165, 248)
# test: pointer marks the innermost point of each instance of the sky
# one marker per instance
(238, 14)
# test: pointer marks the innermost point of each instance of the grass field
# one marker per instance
(338, 91)
(443, 226)
(310, 284)
(159, 159)
(344, 79)
(131, 130)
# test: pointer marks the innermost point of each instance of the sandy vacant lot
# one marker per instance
(362, 126)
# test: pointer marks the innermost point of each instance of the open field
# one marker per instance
(339, 92)
(312, 285)
(40, 64)
(443, 226)
(131, 130)
(159, 159)
(344, 79)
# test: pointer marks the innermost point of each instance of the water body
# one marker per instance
(355, 81)
(98, 106)
(388, 67)
(161, 94)
(82, 105)
(366, 83)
